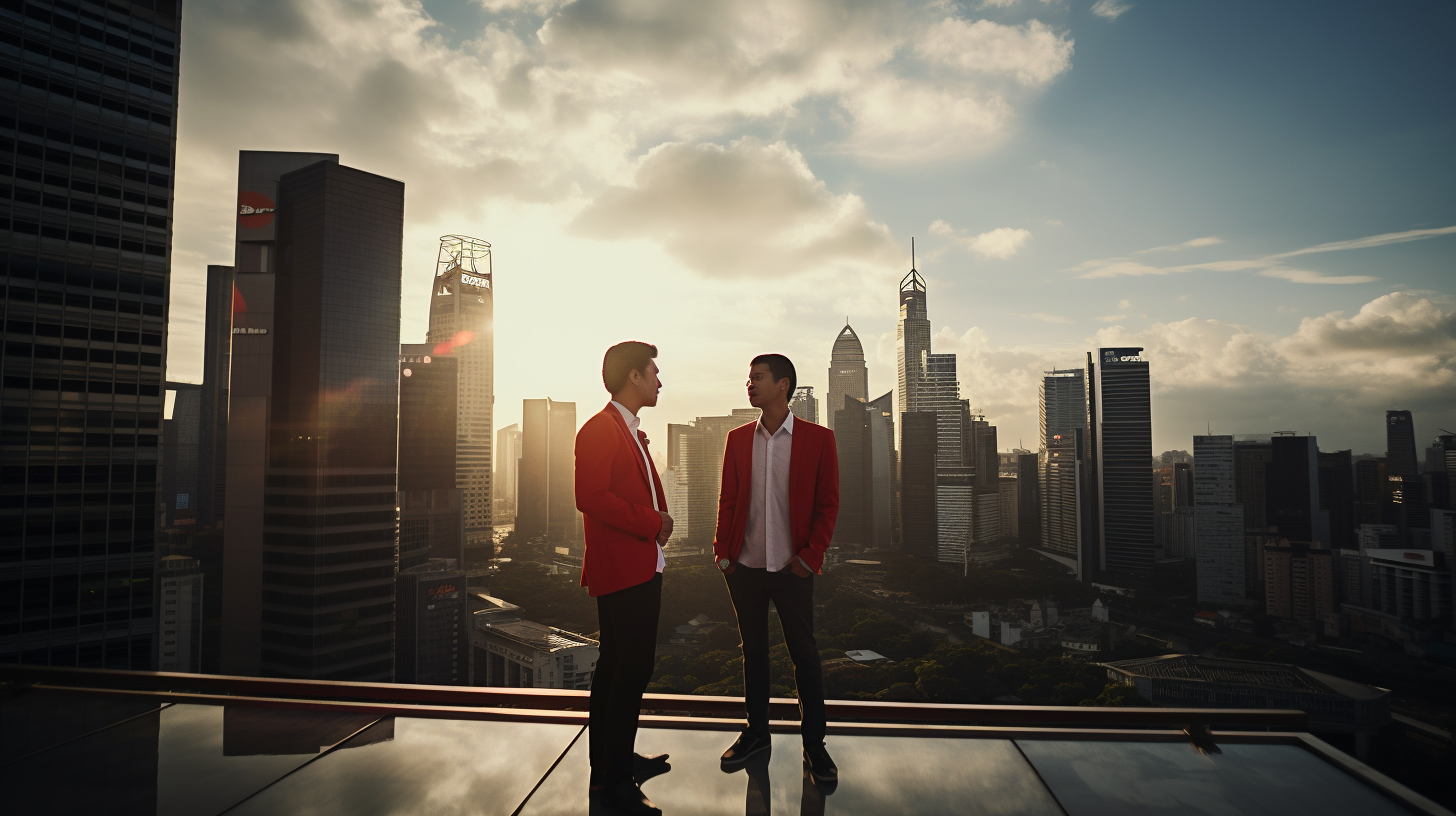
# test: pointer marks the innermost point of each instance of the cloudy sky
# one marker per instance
(1258, 193)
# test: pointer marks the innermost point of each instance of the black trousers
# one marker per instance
(793, 597)
(628, 619)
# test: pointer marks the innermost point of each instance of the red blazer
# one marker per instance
(612, 493)
(813, 492)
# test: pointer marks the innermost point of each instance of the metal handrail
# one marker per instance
(572, 700)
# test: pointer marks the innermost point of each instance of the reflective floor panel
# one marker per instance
(1118, 778)
(403, 766)
(31, 720)
(210, 758)
(878, 775)
(113, 771)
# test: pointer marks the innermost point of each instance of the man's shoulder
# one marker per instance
(743, 431)
(811, 430)
(597, 423)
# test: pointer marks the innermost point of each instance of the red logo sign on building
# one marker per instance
(255, 210)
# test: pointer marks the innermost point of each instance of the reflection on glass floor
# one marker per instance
(89, 753)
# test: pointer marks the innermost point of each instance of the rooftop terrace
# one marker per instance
(91, 741)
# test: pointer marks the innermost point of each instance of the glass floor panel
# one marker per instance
(1118, 778)
(210, 758)
(403, 765)
(112, 771)
(878, 775)
(32, 721)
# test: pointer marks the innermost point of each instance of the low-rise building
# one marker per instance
(524, 654)
(179, 616)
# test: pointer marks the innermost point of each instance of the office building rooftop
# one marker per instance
(1246, 672)
(144, 743)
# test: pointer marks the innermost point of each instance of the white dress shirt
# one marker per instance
(767, 541)
(633, 423)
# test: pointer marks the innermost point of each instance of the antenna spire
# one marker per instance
(912, 252)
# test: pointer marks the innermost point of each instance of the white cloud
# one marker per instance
(1210, 240)
(1268, 266)
(1124, 304)
(1112, 318)
(999, 243)
(749, 209)
(1033, 53)
(1111, 9)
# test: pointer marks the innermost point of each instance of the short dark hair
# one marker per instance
(779, 367)
(624, 358)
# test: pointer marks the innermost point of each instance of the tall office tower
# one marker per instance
(1163, 510)
(912, 343)
(698, 461)
(1252, 455)
(546, 492)
(179, 614)
(85, 321)
(1028, 500)
(884, 508)
(1291, 490)
(1060, 512)
(433, 632)
(847, 373)
(955, 513)
(918, 520)
(851, 419)
(431, 515)
(1370, 492)
(1337, 497)
(1124, 430)
(983, 454)
(462, 324)
(1062, 403)
(1400, 444)
(1409, 509)
(330, 483)
(1010, 507)
(940, 393)
(1446, 444)
(180, 482)
(212, 431)
(675, 490)
(250, 395)
(804, 406)
(507, 465)
(1218, 522)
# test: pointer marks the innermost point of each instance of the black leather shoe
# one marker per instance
(820, 767)
(747, 744)
(646, 767)
(626, 797)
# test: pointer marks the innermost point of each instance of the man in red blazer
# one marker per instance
(626, 524)
(776, 513)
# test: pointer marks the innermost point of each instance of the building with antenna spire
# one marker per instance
(848, 376)
(912, 338)
(462, 313)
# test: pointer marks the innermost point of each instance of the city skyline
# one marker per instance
(1178, 177)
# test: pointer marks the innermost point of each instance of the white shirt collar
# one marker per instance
(787, 427)
(627, 416)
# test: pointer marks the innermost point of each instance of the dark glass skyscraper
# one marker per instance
(329, 526)
(1124, 444)
(87, 138)
(1400, 444)
(250, 395)
(431, 520)
(212, 433)
(919, 528)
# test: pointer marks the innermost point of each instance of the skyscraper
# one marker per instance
(212, 431)
(847, 373)
(699, 461)
(1062, 410)
(462, 315)
(912, 342)
(865, 488)
(918, 519)
(250, 400)
(1291, 490)
(328, 552)
(1124, 433)
(804, 406)
(179, 615)
(1218, 523)
(431, 516)
(546, 492)
(1337, 497)
(1400, 444)
(87, 127)
(433, 631)
(1028, 500)
(940, 393)
(507, 465)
